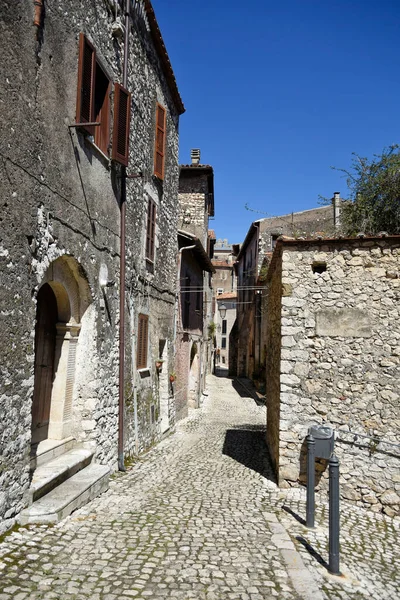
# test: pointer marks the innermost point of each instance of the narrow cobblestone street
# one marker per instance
(200, 517)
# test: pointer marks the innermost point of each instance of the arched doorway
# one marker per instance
(61, 302)
(45, 344)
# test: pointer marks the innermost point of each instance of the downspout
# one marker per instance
(121, 400)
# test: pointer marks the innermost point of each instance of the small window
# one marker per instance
(142, 341)
(319, 267)
(223, 343)
(274, 237)
(159, 149)
(224, 327)
(93, 95)
(151, 230)
(220, 291)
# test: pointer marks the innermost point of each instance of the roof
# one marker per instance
(188, 239)
(226, 296)
(163, 54)
(252, 231)
(222, 263)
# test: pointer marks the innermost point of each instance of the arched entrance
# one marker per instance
(61, 302)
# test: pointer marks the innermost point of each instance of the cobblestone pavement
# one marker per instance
(199, 517)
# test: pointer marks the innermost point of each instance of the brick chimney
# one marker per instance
(195, 156)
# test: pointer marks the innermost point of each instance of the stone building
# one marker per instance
(251, 266)
(194, 344)
(191, 357)
(62, 187)
(333, 333)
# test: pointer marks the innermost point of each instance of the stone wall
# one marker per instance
(340, 362)
(271, 306)
(60, 201)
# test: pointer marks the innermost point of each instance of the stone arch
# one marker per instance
(71, 290)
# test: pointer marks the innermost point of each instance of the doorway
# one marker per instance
(45, 344)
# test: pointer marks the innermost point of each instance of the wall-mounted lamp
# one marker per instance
(222, 310)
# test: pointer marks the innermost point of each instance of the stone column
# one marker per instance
(63, 384)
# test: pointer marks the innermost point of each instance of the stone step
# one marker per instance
(49, 449)
(76, 491)
(56, 471)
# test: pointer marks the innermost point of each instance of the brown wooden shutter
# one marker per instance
(122, 117)
(151, 230)
(86, 83)
(159, 150)
(143, 330)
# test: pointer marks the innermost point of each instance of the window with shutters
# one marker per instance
(151, 230)
(93, 96)
(159, 149)
(142, 340)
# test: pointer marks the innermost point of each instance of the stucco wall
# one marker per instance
(340, 362)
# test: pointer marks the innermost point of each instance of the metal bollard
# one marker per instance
(310, 507)
(334, 520)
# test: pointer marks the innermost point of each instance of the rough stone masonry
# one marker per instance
(333, 327)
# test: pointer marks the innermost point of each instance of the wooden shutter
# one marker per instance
(143, 330)
(86, 83)
(122, 117)
(151, 230)
(159, 150)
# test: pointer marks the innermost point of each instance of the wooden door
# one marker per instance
(45, 341)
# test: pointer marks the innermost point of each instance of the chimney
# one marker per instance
(195, 156)
(336, 210)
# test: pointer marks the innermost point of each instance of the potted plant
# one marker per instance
(172, 377)
(159, 363)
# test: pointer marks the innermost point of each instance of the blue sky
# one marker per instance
(277, 93)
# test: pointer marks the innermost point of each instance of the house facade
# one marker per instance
(252, 258)
(90, 153)
(194, 314)
(332, 325)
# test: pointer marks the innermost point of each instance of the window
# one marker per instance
(224, 327)
(220, 291)
(159, 149)
(274, 238)
(151, 230)
(93, 96)
(142, 337)
(93, 104)
(223, 343)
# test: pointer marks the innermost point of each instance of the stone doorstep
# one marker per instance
(76, 491)
(49, 449)
(56, 471)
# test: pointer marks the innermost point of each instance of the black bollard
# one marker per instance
(334, 520)
(310, 508)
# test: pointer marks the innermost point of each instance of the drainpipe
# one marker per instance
(121, 401)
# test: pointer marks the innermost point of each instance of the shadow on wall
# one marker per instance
(246, 444)
(321, 465)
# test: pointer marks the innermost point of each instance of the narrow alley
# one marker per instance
(199, 516)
